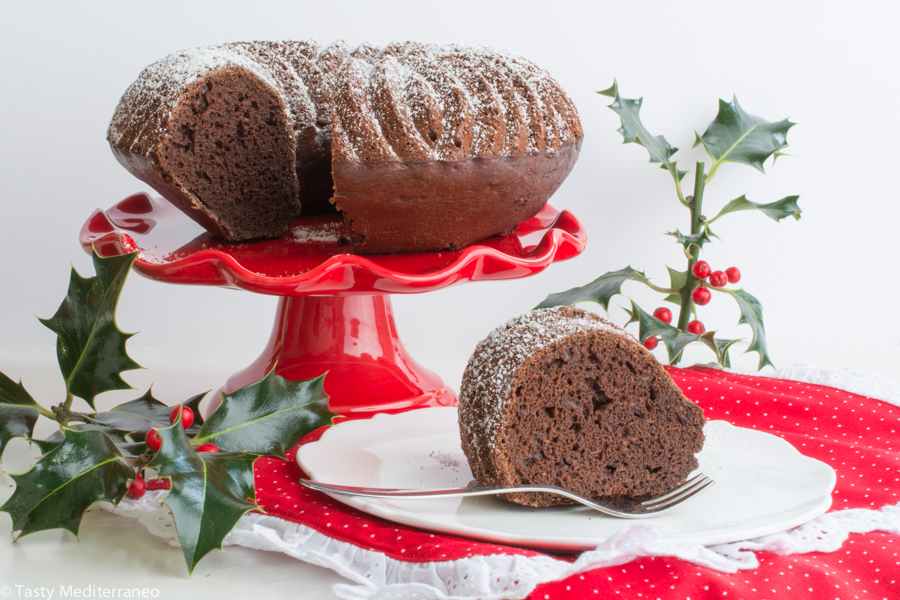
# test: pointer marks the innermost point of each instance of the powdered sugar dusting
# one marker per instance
(269, 56)
(446, 459)
(147, 103)
(301, 75)
(407, 101)
(450, 103)
(323, 234)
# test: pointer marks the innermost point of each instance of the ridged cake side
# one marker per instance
(417, 102)
(437, 147)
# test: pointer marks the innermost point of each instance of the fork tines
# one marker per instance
(690, 487)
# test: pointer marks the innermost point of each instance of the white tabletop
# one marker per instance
(115, 552)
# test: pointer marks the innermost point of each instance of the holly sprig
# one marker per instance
(734, 136)
(207, 466)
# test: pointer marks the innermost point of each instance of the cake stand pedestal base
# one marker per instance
(354, 340)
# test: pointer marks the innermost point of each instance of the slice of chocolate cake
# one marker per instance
(238, 136)
(560, 396)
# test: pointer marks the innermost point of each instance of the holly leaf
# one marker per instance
(634, 132)
(720, 347)
(677, 279)
(18, 411)
(49, 444)
(145, 413)
(132, 449)
(778, 210)
(193, 403)
(752, 315)
(649, 326)
(209, 492)
(118, 437)
(601, 290)
(267, 417)
(90, 346)
(66, 481)
(777, 155)
(737, 136)
(675, 339)
(691, 239)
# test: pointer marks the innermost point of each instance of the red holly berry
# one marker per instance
(153, 441)
(650, 343)
(701, 269)
(696, 327)
(138, 488)
(663, 314)
(207, 448)
(187, 416)
(701, 296)
(718, 279)
(734, 274)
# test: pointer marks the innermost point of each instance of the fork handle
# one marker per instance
(624, 509)
(634, 511)
(365, 492)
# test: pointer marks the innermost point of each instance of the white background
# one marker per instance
(828, 282)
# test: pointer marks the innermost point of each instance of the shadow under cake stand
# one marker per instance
(334, 313)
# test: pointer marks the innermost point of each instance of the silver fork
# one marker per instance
(624, 509)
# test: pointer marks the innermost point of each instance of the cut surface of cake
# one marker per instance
(421, 147)
(560, 396)
(233, 135)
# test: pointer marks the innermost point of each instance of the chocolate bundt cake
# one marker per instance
(560, 396)
(421, 147)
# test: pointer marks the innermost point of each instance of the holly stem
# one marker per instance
(62, 415)
(46, 412)
(661, 290)
(140, 462)
(83, 417)
(681, 197)
(695, 205)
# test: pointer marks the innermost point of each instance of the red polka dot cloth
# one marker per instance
(851, 552)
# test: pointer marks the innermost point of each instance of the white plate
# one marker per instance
(763, 485)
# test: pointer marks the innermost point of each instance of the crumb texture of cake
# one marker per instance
(421, 147)
(233, 135)
(561, 396)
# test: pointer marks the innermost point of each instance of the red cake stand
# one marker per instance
(335, 312)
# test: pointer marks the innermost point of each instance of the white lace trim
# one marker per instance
(873, 385)
(375, 576)
(494, 577)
